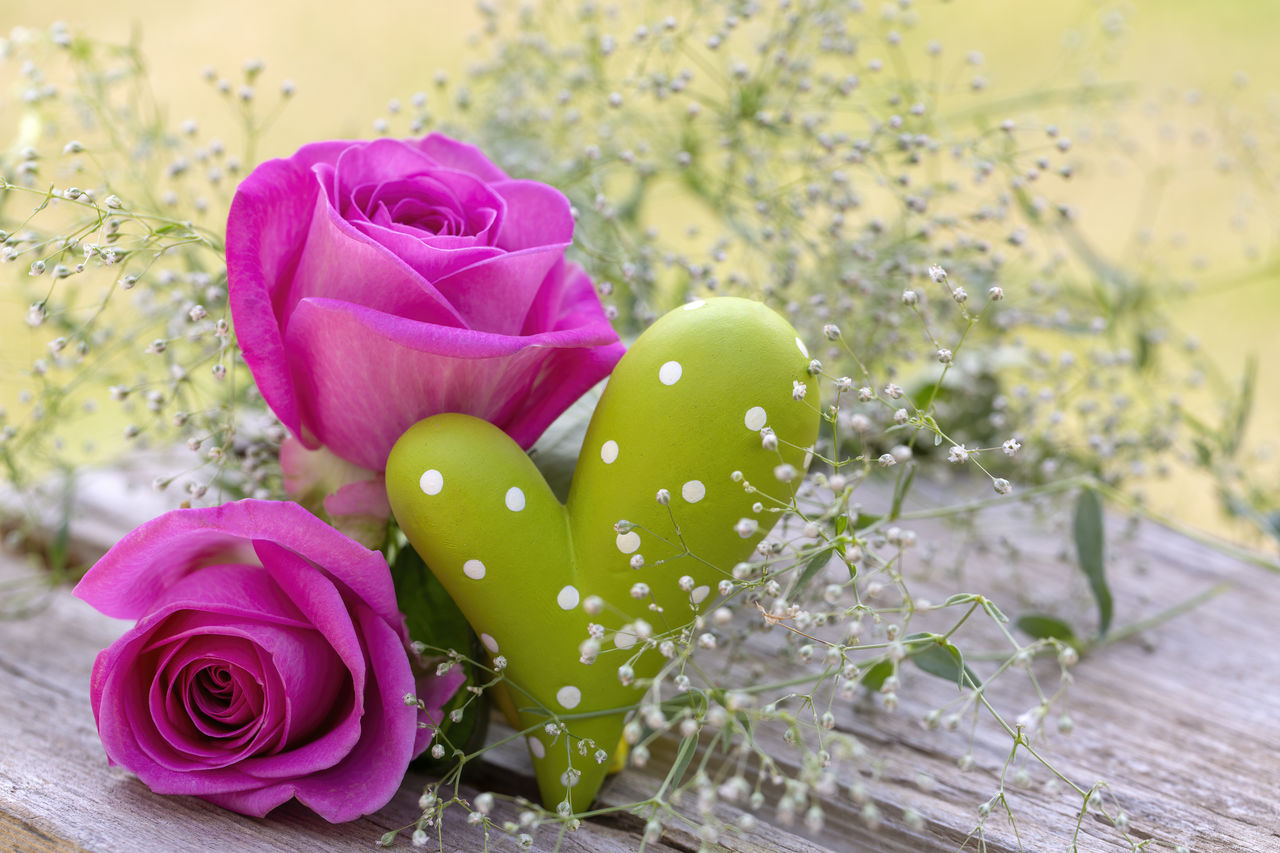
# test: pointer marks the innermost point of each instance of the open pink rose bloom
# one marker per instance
(373, 284)
(269, 661)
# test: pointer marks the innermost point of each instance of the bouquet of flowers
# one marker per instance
(434, 484)
(370, 286)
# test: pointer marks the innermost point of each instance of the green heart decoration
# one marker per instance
(569, 593)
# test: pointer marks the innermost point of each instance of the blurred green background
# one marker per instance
(1201, 64)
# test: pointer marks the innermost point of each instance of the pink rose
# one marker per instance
(269, 661)
(373, 284)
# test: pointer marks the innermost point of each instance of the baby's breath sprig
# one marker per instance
(848, 169)
(116, 220)
(847, 598)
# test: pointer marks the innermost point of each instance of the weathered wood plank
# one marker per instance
(21, 837)
(56, 791)
(1181, 723)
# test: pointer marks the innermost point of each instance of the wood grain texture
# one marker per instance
(1182, 723)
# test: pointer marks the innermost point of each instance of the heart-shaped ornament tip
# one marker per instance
(579, 598)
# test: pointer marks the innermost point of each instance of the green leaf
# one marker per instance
(745, 722)
(695, 699)
(1204, 456)
(687, 748)
(842, 524)
(59, 549)
(432, 616)
(1143, 357)
(1089, 540)
(865, 519)
(435, 620)
(940, 658)
(1043, 627)
(903, 486)
(816, 563)
(993, 611)
(959, 598)
(1234, 434)
(875, 676)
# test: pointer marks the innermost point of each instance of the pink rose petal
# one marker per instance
(375, 374)
(537, 215)
(462, 156)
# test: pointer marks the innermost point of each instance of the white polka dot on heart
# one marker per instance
(700, 594)
(473, 569)
(624, 639)
(669, 373)
(489, 643)
(693, 491)
(628, 543)
(568, 697)
(568, 598)
(609, 452)
(536, 747)
(694, 305)
(804, 350)
(756, 418)
(515, 499)
(431, 482)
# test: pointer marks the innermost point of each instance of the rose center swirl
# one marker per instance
(222, 700)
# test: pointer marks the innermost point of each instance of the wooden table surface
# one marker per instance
(1181, 722)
